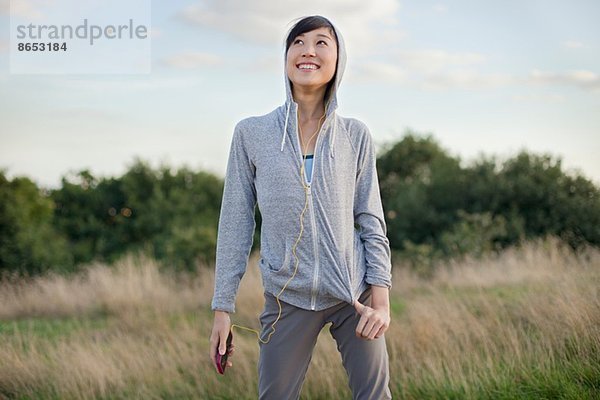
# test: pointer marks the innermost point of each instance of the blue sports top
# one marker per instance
(308, 166)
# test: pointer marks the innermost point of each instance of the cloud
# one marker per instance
(428, 69)
(390, 73)
(572, 44)
(583, 79)
(432, 60)
(20, 8)
(532, 97)
(435, 69)
(466, 79)
(269, 63)
(366, 26)
(440, 8)
(115, 85)
(192, 60)
(445, 77)
(84, 114)
(155, 32)
(377, 72)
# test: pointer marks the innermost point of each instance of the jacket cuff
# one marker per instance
(221, 305)
(379, 280)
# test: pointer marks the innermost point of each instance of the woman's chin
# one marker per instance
(308, 83)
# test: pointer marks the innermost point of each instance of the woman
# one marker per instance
(316, 266)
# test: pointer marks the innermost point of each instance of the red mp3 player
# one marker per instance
(222, 359)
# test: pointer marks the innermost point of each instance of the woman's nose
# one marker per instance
(308, 50)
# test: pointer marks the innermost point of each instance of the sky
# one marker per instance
(482, 77)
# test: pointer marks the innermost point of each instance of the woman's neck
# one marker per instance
(310, 103)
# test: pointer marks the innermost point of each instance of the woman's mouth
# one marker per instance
(307, 67)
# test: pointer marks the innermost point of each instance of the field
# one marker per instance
(524, 324)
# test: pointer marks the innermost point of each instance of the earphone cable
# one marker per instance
(306, 187)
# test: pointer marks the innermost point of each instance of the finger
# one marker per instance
(380, 332)
(374, 330)
(359, 307)
(229, 364)
(222, 343)
(368, 329)
(361, 324)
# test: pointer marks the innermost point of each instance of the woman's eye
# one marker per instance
(300, 41)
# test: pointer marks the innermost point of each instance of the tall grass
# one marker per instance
(522, 324)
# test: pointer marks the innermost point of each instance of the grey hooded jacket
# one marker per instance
(336, 261)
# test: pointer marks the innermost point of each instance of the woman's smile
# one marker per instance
(308, 67)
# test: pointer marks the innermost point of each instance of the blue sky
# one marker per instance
(481, 77)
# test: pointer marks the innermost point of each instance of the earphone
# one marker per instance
(306, 188)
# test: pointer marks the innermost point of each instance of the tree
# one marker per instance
(29, 243)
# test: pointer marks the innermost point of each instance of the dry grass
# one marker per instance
(522, 324)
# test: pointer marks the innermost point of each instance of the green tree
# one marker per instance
(436, 207)
(170, 215)
(86, 212)
(549, 200)
(29, 243)
(421, 188)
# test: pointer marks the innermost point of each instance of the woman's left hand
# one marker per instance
(373, 321)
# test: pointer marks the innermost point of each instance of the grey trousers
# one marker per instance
(284, 360)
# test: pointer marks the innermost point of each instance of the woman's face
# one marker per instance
(311, 58)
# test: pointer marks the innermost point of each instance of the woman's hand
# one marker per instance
(375, 320)
(218, 337)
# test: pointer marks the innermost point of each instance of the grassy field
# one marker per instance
(521, 325)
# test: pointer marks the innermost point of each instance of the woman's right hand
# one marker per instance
(218, 337)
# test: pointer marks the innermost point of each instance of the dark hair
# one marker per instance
(308, 24)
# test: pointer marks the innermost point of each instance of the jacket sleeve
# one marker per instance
(368, 213)
(236, 225)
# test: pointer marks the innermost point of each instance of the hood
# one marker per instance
(331, 102)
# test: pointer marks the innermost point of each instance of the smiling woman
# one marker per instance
(316, 267)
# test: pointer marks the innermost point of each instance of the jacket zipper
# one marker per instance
(355, 261)
(313, 299)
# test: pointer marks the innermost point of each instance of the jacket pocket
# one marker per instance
(358, 265)
(276, 267)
